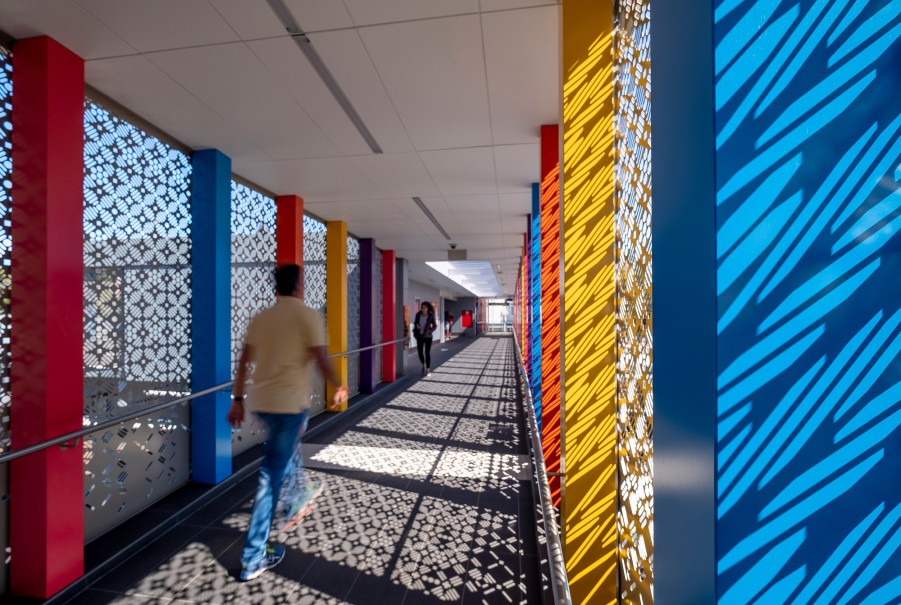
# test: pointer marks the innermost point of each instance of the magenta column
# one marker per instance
(47, 488)
(368, 306)
(389, 315)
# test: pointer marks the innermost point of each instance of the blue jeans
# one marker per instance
(284, 433)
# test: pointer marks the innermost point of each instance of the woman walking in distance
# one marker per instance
(423, 326)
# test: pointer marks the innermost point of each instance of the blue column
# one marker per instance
(211, 447)
(684, 267)
(534, 290)
(368, 318)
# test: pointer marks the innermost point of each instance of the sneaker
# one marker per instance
(272, 557)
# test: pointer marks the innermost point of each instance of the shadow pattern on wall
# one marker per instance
(809, 301)
(589, 502)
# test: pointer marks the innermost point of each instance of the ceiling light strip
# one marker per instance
(306, 47)
(432, 218)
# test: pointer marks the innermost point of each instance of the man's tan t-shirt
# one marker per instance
(280, 338)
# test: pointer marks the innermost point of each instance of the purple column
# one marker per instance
(368, 378)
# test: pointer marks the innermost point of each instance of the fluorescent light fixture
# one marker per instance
(306, 47)
(475, 276)
(432, 218)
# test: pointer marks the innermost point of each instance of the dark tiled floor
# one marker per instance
(427, 500)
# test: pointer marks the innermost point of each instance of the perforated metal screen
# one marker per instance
(6, 166)
(314, 288)
(5, 267)
(253, 284)
(137, 316)
(353, 314)
(635, 401)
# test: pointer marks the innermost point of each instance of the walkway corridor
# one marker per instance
(427, 500)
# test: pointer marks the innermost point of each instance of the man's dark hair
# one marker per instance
(287, 278)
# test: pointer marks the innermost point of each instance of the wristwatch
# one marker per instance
(237, 397)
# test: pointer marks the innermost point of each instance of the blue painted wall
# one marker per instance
(684, 269)
(808, 211)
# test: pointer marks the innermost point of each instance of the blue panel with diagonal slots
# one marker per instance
(534, 290)
(808, 171)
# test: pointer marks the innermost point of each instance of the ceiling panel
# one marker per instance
(233, 82)
(162, 24)
(463, 205)
(513, 240)
(461, 171)
(348, 61)
(147, 91)
(476, 226)
(318, 15)
(518, 166)
(397, 174)
(499, 5)
(368, 12)
(251, 19)
(316, 180)
(292, 70)
(66, 22)
(415, 240)
(434, 72)
(522, 56)
(515, 203)
(514, 224)
(368, 212)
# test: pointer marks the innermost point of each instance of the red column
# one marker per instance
(47, 488)
(550, 305)
(389, 309)
(289, 230)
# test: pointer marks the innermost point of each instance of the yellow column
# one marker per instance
(336, 300)
(589, 390)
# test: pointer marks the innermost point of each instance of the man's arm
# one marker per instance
(328, 370)
(236, 412)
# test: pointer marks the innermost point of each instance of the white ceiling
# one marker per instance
(453, 91)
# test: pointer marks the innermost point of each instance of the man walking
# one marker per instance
(282, 341)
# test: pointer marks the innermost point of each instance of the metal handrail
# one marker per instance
(143, 412)
(557, 565)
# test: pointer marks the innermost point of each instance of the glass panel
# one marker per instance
(137, 316)
(314, 290)
(635, 400)
(253, 285)
(353, 314)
